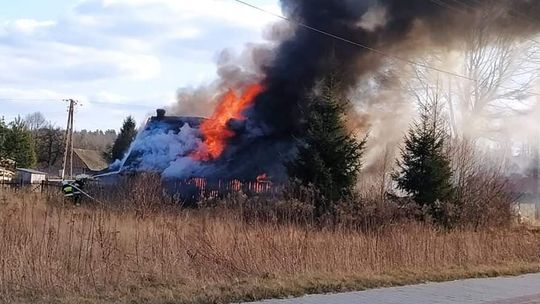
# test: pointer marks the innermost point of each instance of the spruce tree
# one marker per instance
(124, 139)
(425, 172)
(329, 156)
(19, 144)
(3, 134)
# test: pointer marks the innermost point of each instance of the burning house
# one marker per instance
(186, 152)
(262, 100)
(180, 147)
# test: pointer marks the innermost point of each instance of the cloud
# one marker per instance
(28, 26)
(51, 61)
(102, 39)
(225, 11)
(143, 50)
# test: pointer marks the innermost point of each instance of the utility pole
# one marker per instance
(69, 140)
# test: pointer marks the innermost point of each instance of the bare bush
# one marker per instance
(483, 198)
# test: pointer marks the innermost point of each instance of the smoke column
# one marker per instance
(308, 56)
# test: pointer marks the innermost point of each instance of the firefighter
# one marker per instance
(73, 189)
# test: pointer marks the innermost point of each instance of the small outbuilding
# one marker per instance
(30, 176)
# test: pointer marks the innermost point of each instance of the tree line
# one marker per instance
(35, 142)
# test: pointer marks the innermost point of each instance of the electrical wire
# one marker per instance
(372, 49)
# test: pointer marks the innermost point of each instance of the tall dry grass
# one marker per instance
(54, 253)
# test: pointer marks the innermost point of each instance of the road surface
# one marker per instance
(515, 290)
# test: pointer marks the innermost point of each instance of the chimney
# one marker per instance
(160, 113)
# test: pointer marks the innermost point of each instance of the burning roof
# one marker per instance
(162, 140)
(181, 147)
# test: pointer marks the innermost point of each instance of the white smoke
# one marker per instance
(158, 149)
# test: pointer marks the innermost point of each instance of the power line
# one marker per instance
(355, 43)
(374, 50)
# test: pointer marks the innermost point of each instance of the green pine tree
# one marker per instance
(329, 156)
(425, 172)
(19, 144)
(124, 139)
(3, 134)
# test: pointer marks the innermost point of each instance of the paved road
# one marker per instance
(517, 290)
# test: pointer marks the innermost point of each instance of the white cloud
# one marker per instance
(29, 26)
(52, 61)
(227, 11)
(101, 39)
(29, 95)
(142, 50)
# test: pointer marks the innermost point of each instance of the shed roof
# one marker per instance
(93, 159)
(31, 171)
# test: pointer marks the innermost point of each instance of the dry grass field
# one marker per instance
(63, 254)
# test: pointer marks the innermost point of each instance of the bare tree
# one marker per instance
(49, 145)
(482, 193)
(503, 71)
(94, 140)
(35, 121)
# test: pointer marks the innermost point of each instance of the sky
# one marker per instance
(118, 57)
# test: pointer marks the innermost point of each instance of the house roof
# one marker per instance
(93, 159)
(165, 125)
(31, 171)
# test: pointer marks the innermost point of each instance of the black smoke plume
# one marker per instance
(309, 56)
(303, 59)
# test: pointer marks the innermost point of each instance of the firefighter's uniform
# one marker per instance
(72, 190)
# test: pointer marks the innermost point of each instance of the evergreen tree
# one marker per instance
(124, 139)
(3, 134)
(424, 169)
(19, 144)
(329, 156)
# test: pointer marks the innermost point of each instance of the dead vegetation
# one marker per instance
(62, 254)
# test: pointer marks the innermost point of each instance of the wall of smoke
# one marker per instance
(492, 41)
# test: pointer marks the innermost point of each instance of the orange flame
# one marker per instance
(215, 129)
(262, 178)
